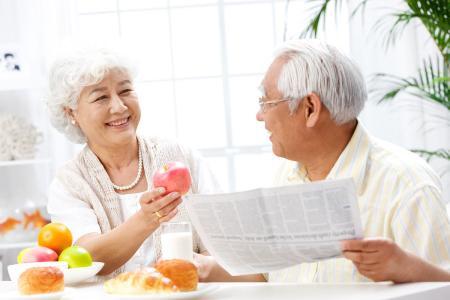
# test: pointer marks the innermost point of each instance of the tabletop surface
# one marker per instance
(262, 291)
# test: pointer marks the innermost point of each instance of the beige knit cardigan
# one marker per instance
(86, 179)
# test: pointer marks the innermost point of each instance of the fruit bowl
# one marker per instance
(14, 271)
(75, 275)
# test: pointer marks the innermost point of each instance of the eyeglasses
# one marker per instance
(265, 104)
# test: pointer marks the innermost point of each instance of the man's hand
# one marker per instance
(380, 259)
(204, 264)
(210, 271)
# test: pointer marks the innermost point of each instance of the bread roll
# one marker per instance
(142, 281)
(40, 280)
(182, 272)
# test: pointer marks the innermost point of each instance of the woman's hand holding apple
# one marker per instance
(158, 207)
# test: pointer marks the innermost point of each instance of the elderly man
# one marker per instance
(312, 96)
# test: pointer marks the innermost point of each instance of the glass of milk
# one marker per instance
(176, 241)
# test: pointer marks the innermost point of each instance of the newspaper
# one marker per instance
(268, 229)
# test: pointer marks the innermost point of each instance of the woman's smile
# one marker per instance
(119, 123)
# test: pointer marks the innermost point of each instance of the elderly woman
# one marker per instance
(105, 194)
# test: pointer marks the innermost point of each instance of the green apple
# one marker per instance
(76, 257)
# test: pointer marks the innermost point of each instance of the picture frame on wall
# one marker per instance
(10, 60)
(14, 71)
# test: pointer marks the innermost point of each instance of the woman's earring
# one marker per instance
(73, 122)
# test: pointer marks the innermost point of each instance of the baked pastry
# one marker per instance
(40, 280)
(182, 272)
(143, 281)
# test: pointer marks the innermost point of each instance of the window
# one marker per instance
(200, 64)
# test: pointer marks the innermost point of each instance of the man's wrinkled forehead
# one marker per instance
(269, 84)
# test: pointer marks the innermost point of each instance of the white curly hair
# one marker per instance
(314, 66)
(69, 74)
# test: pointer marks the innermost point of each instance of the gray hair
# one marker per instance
(313, 66)
(69, 75)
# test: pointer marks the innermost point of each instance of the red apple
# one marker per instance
(38, 254)
(174, 177)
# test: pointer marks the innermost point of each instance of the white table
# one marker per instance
(263, 291)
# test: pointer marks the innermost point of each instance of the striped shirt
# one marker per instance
(399, 197)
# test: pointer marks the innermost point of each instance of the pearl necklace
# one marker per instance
(133, 184)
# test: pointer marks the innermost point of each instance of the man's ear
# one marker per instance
(312, 109)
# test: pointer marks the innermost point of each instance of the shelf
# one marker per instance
(7, 246)
(24, 162)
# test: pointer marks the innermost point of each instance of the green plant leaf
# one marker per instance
(431, 83)
(319, 14)
(434, 15)
(428, 155)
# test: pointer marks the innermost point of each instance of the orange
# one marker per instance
(55, 236)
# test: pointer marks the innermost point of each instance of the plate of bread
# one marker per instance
(71, 275)
(16, 270)
(169, 279)
(38, 283)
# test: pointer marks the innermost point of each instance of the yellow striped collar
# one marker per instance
(351, 163)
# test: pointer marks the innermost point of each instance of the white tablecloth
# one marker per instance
(263, 291)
